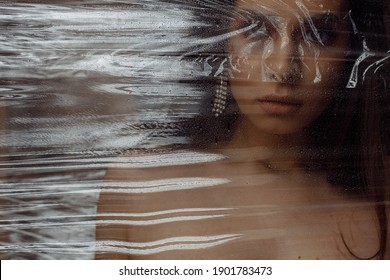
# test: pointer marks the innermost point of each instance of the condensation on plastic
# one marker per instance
(84, 81)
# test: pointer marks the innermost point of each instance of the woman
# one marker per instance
(296, 116)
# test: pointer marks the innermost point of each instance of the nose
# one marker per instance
(284, 63)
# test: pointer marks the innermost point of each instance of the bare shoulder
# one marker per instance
(135, 189)
(124, 174)
(152, 164)
(137, 174)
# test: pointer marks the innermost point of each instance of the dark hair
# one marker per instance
(350, 138)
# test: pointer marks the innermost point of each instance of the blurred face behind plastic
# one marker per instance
(287, 59)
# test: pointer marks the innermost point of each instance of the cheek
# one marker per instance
(248, 59)
(333, 72)
(241, 95)
(328, 63)
(321, 67)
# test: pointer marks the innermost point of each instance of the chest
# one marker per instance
(237, 214)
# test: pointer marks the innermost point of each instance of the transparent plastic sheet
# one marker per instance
(193, 129)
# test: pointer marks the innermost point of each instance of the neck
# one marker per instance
(282, 150)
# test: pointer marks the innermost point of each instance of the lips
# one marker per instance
(279, 105)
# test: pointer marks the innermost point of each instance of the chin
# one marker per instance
(278, 127)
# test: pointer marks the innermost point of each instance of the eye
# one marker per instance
(321, 29)
(258, 31)
(323, 36)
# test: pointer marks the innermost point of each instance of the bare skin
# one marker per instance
(258, 202)
(257, 214)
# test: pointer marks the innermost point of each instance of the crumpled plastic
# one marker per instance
(84, 81)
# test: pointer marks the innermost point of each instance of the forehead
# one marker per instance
(284, 7)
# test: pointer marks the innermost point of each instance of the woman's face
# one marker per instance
(287, 58)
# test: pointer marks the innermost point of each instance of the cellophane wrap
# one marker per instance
(97, 85)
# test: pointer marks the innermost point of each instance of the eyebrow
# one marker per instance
(259, 16)
(324, 17)
(262, 16)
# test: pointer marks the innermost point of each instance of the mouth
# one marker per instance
(279, 105)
